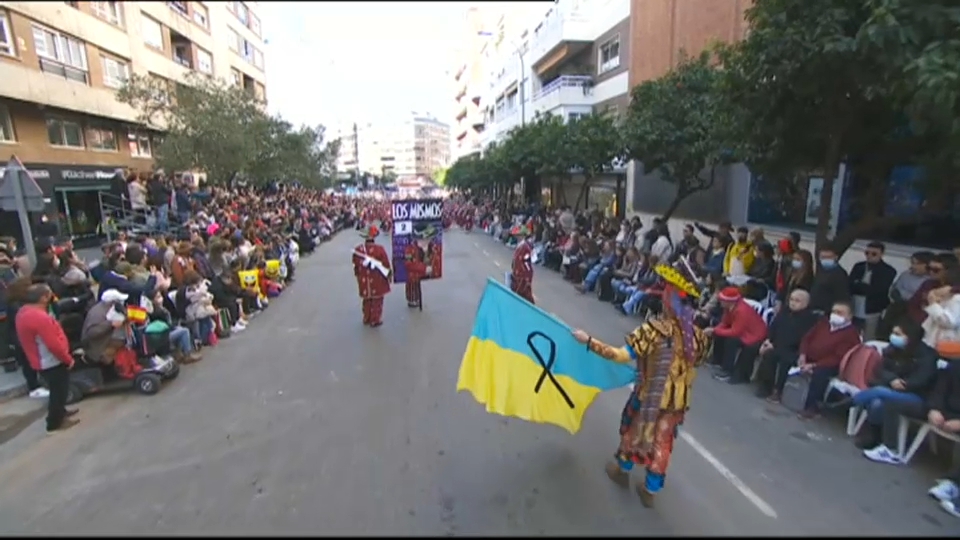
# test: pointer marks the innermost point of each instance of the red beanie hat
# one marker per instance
(729, 294)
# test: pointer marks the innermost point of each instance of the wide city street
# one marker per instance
(310, 423)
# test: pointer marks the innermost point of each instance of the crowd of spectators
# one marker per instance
(233, 250)
(805, 331)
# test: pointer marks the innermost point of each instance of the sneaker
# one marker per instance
(951, 507)
(40, 393)
(882, 454)
(721, 376)
(237, 328)
(67, 424)
(944, 490)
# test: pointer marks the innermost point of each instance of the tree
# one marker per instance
(594, 142)
(811, 87)
(551, 143)
(674, 126)
(223, 130)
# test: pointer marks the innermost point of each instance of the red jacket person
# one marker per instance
(521, 281)
(371, 266)
(418, 261)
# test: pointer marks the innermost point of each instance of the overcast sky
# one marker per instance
(335, 62)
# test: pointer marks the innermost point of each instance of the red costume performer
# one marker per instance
(415, 260)
(521, 281)
(371, 281)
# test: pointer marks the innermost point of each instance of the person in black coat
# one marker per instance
(780, 351)
(830, 283)
(870, 282)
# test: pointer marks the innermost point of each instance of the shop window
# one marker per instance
(100, 138)
(64, 133)
(6, 126)
(139, 144)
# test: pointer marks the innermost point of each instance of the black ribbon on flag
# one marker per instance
(547, 365)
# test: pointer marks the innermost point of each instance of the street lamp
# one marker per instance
(523, 77)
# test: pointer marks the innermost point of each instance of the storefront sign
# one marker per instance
(37, 174)
(71, 174)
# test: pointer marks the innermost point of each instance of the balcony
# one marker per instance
(564, 90)
(461, 111)
(462, 91)
(475, 120)
(565, 31)
(182, 49)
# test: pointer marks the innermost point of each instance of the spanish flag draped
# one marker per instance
(522, 362)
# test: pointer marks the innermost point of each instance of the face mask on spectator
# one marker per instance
(837, 320)
(796, 264)
(898, 341)
(828, 263)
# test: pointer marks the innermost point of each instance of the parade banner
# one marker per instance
(417, 222)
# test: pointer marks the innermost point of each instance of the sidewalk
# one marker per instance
(12, 385)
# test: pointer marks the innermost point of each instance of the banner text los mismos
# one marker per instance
(417, 222)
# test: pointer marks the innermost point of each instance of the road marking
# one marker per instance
(728, 474)
(485, 253)
(497, 263)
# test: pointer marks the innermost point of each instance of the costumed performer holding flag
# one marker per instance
(371, 266)
(521, 269)
(667, 352)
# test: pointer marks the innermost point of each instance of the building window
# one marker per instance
(204, 62)
(255, 24)
(100, 138)
(258, 58)
(75, 5)
(235, 42)
(237, 77)
(200, 16)
(241, 11)
(64, 133)
(152, 32)
(179, 7)
(572, 117)
(60, 48)
(6, 36)
(139, 145)
(609, 56)
(6, 126)
(108, 11)
(115, 72)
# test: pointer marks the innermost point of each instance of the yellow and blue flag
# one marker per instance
(523, 362)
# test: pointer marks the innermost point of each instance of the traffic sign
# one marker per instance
(32, 194)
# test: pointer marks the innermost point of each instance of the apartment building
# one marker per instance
(467, 83)
(61, 64)
(417, 145)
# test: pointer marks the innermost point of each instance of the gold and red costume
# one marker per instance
(667, 352)
(372, 284)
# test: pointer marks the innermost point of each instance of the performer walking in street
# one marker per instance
(667, 352)
(521, 281)
(371, 266)
(418, 262)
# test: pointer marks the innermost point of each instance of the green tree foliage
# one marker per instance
(223, 130)
(816, 84)
(592, 144)
(675, 127)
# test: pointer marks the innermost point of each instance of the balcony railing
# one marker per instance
(584, 82)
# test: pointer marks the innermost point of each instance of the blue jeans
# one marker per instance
(622, 287)
(203, 327)
(630, 306)
(590, 281)
(163, 217)
(180, 340)
(872, 400)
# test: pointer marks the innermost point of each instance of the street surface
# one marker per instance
(310, 423)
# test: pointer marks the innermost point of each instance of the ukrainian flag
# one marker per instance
(521, 361)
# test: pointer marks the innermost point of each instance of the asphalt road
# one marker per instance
(310, 423)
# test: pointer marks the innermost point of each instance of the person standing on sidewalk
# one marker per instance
(48, 352)
(16, 298)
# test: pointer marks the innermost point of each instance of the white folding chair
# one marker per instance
(903, 430)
